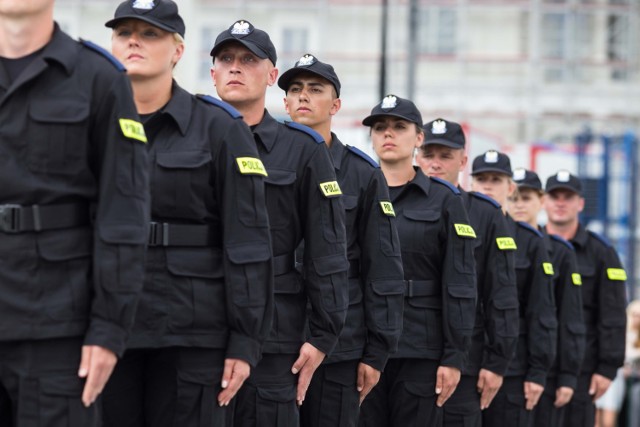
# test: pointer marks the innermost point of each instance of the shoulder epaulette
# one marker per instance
(302, 128)
(530, 228)
(363, 155)
(561, 240)
(486, 198)
(601, 238)
(452, 187)
(226, 107)
(102, 51)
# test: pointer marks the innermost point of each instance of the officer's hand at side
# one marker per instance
(368, 377)
(532, 393)
(306, 364)
(599, 384)
(447, 379)
(563, 396)
(96, 365)
(235, 372)
(488, 385)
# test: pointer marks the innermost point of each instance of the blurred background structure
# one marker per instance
(553, 83)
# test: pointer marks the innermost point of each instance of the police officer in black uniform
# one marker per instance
(436, 243)
(304, 203)
(73, 217)
(526, 376)
(373, 326)
(207, 302)
(603, 296)
(524, 206)
(496, 326)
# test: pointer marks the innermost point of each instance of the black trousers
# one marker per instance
(268, 397)
(404, 397)
(581, 411)
(545, 414)
(508, 407)
(332, 399)
(5, 407)
(463, 407)
(41, 381)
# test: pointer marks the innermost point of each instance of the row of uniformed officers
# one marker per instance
(288, 279)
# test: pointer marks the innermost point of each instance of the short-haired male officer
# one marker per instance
(495, 333)
(304, 203)
(603, 296)
(74, 209)
(373, 323)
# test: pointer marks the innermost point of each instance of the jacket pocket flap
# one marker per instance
(195, 262)
(280, 177)
(275, 393)
(200, 378)
(505, 302)
(516, 399)
(577, 328)
(549, 322)
(331, 264)
(388, 287)
(422, 215)
(248, 253)
(183, 159)
(70, 385)
(462, 291)
(125, 234)
(420, 389)
(522, 263)
(349, 201)
(77, 243)
(58, 111)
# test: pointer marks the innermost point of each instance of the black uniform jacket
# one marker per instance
(304, 202)
(536, 347)
(571, 330)
(604, 299)
(376, 288)
(71, 141)
(495, 333)
(439, 271)
(205, 171)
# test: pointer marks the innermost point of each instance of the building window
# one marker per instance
(437, 31)
(553, 35)
(618, 46)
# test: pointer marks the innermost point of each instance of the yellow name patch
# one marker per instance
(616, 274)
(576, 278)
(548, 268)
(132, 129)
(387, 208)
(465, 230)
(330, 189)
(506, 243)
(251, 166)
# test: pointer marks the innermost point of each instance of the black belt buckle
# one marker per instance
(10, 218)
(158, 234)
(409, 289)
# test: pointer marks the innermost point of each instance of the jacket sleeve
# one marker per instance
(325, 254)
(381, 273)
(246, 244)
(500, 296)
(540, 314)
(459, 291)
(571, 328)
(611, 314)
(122, 215)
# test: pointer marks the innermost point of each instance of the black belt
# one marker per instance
(165, 234)
(421, 288)
(20, 219)
(282, 264)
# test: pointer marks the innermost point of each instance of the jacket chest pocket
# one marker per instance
(280, 191)
(180, 182)
(588, 273)
(419, 231)
(58, 137)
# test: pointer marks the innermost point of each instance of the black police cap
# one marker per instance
(492, 161)
(310, 64)
(525, 178)
(564, 180)
(444, 132)
(243, 32)
(394, 106)
(159, 13)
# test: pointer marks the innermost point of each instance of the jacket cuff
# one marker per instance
(325, 343)
(496, 364)
(244, 348)
(453, 359)
(535, 376)
(607, 370)
(567, 380)
(106, 335)
(375, 357)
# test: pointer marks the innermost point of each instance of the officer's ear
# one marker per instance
(463, 162)
(273, 74)
(580, 204)
(335, 106)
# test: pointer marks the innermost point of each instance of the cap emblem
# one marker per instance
(306, 60)
(144, 4)
(439, 127)
(389, 102)
(491, 156)
(563, 176)
(519, 174)
(241, 28)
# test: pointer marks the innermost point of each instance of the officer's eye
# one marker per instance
(150, 34)
(248, 59)
(123, 32)
(400, 126)
(295, 89)
(379, 127)
(225, 57)
(316, 89)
